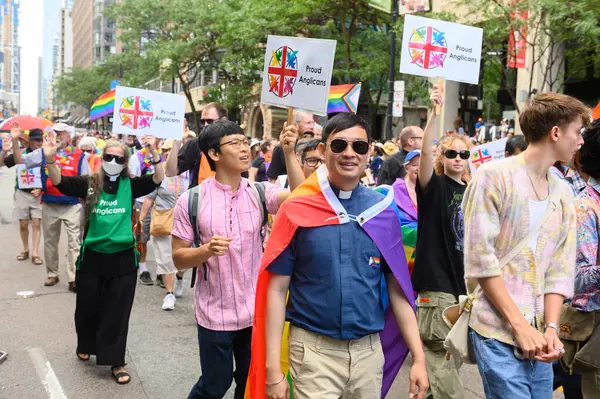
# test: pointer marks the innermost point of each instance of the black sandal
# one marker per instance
(120, 375)
(80, 356)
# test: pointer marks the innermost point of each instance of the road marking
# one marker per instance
(46, 374)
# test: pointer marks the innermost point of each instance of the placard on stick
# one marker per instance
(297, 73)
(147, 112)
(434, 48)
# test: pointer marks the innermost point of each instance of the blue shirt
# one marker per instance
(336, 275)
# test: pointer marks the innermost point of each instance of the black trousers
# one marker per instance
(217, 350)
(102, 315)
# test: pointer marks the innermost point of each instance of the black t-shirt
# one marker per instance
(9, 161)
(439, 257)
(392, 168)
(77, 186)
(188, 159)
(277, 167)
(259, 163)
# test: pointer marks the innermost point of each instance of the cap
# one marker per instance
(410, 156)
(167, 144)
(60, 127)
(36, 134)
(390, 148)
(254, 142)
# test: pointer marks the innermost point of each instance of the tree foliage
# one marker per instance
(81, 86)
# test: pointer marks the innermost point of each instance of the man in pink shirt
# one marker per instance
(229, 226)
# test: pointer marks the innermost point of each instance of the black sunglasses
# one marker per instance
(117, 159)
(206, 121)
(360, 147)
(451, 154)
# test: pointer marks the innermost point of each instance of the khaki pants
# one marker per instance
(444, 380)
(327, 368)
(53, 215)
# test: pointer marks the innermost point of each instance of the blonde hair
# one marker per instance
(446, 143)
(96, 180)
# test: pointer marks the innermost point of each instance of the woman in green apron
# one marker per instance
(107, 266)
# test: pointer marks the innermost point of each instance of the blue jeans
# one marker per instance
(217, 350)
(505, 376)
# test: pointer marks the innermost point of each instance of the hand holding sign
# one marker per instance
(288, 138)
(437, 99)
(149, 142)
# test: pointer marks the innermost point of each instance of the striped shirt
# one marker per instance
(226, 288)
(497, 216)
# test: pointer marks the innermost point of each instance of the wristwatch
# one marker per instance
(552, 325)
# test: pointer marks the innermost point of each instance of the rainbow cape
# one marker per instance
(104, 105)
(343, 98)
(314, 204)
(407, 216)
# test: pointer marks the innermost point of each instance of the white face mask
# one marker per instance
(112, 168)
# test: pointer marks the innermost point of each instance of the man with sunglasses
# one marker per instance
(333, 272)
(411, 138)
(189, 157)
(58, 209)
(27, 192)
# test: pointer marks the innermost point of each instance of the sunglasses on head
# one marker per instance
(118, 159)
(360, 147)
(451, 154)
(206, 121)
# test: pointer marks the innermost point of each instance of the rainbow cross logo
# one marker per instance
(480, 157)
(283, 71)
(428, 47)
(27, 176)
(136, 112)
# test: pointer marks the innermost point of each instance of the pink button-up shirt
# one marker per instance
(226, 288)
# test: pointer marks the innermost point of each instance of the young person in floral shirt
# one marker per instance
(515, 316)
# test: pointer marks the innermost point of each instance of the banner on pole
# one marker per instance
(383, 5)
(434, 48)
(146, 112)
(487, 153)
(412, 6)
(517, 40)
(297, 73)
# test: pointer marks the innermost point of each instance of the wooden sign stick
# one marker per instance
(440, 84)
(290, 118)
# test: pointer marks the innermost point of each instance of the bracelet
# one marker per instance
(156, 162)
(50, 163)
(552, 325)
(276, 383)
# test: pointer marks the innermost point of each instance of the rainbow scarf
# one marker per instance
(343, 98)
(314, 204)
(407, 216)
(104, 105)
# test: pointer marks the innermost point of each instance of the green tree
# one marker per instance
(81, 86)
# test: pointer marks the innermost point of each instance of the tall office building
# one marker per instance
(51, 28)
(10, 65)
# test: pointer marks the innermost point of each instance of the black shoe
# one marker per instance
(146, 279)
(159, 281)
(72, 287)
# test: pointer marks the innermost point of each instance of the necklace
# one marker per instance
(62, 159)
(533, 186)
(146, 159)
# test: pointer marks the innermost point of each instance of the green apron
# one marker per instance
(110, 230)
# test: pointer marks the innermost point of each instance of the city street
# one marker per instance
(38, 334)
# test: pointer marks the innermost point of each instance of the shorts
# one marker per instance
(163, 254)
(27, 206)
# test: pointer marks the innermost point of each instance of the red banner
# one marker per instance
(517, 40)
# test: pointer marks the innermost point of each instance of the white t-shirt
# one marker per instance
(536, 211)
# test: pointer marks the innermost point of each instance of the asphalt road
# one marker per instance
(39, 335)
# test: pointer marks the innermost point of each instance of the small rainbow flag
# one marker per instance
(103, 105)
(343, 98)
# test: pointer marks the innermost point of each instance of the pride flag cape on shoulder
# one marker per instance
(314, 204)
(407, 216)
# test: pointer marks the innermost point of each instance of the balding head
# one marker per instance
(411, 138)
(304, 121)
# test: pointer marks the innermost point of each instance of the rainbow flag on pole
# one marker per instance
(103, 105)
(313, 204)
(343, 98)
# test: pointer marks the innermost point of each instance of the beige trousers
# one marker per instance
(444, 380)
(53, 215)
(327, 368)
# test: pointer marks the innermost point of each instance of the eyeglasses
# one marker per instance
(88, 151)
(360, 147)
(417, 137)
(451, 154)
(116, 158)
(207, 121)
(236, 144)
(312, 162)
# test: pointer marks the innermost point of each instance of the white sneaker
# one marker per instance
(178, 291)
(169, 302)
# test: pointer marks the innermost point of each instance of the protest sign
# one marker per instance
(434, 48)
(146, 112)
(486, 153)
(297, 73)
(28, 178)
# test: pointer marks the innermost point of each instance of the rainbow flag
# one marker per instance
(343, 98)
(313, 204)
(104, 105)
(407, 216)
